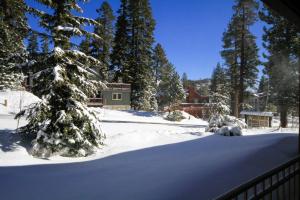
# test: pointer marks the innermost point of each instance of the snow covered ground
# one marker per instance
(168, 160)
(16, 100)
(121, 137)
(142, 116)
(202, 168)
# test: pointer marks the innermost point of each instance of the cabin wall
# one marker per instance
(258, 121)
(107, 97)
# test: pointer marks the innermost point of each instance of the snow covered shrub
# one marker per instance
(229, 131)
(61, 122)
(233, 121)
(226, 125)
(226, 120)
(175, 115)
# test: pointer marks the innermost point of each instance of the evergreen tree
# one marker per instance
(219, 93)
(121, 45)
(218, 77)
(13, 30)
(132, 57)
(170, 90)
(263, 91)
(140, 58)
(168, 84)
(45, 45)
(61, 123)
(281, 39)
(240, 52)
(176, 89)
(101, 48)
(33, 45)
(185, 80)
(85, 45)
(159, 62)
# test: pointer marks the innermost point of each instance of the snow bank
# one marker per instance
(16, 101)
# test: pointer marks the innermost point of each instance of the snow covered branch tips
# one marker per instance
(61, 123)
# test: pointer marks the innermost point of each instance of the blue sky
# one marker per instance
(190, 31)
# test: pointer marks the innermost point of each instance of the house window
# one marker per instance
(117, 96)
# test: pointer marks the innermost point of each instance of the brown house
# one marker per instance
(193, 96)
(196, 104)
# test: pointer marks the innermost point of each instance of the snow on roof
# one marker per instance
(256, 113)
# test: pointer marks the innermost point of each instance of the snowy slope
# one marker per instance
(143, 116)
(16, 101)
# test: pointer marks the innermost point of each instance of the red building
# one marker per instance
(196, 104)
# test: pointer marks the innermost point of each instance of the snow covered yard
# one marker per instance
(168, 160)
(121, 137)
(202, 168)
(143, 116)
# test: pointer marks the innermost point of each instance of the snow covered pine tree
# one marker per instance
(13, 29)
(61, 122)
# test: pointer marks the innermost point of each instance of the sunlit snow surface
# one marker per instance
(143, 161)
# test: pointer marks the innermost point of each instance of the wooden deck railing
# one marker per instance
(97, 102)
(281, 183)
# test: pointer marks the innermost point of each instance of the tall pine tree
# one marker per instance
(281, 39)
(218, 78)
(219, 93)
(13, 30)
(33, 45)
(132, 51)
(45, 45)
(159, 62)
(168, 84)
(141, 30)
(101, 48)
(121, 45)
(61, 123)
(240, 52)
(185, 80)
(85, 45)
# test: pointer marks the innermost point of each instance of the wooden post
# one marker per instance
(5, 102)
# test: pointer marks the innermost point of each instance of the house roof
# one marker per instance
(256, 113)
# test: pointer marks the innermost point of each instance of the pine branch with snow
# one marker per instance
(61, 123)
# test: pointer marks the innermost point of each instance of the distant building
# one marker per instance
(195, 104)
(193, 96)
(116, 96)
(258, 119)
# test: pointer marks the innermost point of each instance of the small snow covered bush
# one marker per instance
(218, 121)
(229, 131)
(175, 116)
(226, 125)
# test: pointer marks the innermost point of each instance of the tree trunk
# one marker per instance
(283, 116)
(236, 103)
